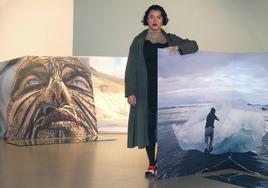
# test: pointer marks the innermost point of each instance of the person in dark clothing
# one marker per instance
(141, 79)
(209, 130)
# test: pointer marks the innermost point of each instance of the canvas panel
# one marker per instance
(236, 86)
(45, 98)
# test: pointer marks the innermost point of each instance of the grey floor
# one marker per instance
(96, 164)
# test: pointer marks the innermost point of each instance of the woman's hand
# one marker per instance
(173, 49)
(131, 99)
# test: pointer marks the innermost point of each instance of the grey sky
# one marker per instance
(210, 76)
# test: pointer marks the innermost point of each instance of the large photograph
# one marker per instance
(212, 112)
(109, 93)
(45, 98)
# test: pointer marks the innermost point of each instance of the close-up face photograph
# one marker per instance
(51, 97)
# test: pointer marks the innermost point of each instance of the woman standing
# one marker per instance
(141, 79)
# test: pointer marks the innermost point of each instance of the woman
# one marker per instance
(141, 79)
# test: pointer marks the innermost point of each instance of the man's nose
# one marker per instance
(57, 93)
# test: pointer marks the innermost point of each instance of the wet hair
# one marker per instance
(155, 7)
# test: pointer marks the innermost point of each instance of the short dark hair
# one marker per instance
(155, 7)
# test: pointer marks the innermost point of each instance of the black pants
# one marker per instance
(152, 123)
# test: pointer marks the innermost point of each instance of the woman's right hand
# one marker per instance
(131, 99)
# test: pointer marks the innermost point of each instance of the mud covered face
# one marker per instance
(51, 98)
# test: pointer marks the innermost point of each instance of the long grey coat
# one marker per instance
(136, 84)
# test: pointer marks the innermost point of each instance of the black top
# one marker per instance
(150, 56)
(211, 117)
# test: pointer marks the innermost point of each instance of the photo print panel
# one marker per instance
(47, 100)
(109, 93)
(212, 112)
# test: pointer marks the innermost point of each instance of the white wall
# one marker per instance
(106, 28)
(35, 27)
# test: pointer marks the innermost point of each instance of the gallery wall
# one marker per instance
(106, 28)
(103, 28)
(35, 27)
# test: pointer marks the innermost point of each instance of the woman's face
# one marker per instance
(155, 20)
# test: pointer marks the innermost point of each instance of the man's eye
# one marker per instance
(32, 82)
(79, 83)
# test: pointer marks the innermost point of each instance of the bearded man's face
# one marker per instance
(51, 97)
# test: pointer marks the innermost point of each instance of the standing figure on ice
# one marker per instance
(209, 130)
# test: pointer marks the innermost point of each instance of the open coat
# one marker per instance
(136, 84)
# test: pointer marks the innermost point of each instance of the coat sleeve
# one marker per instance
(131, 71)
(186, 46)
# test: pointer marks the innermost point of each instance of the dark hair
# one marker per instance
(155, 7)
(212, 110)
